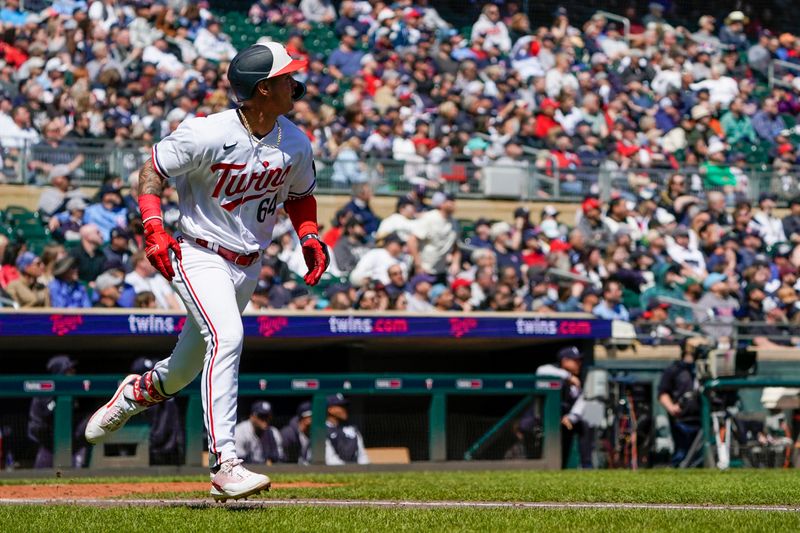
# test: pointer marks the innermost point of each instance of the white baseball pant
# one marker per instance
(215, 292)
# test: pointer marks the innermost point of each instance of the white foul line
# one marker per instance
(397, 504)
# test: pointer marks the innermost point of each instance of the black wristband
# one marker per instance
(309, 236)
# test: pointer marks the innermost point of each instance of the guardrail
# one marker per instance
(538, 175)
(739, 332)
(436, 386)
(777, 69)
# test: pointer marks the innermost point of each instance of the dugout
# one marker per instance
(389, 365)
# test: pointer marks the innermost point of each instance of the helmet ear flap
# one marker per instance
(299, 90)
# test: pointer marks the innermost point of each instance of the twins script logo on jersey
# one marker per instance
(239, 189)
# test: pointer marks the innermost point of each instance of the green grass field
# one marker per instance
(741, 487)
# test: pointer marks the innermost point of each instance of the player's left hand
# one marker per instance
(315, 252)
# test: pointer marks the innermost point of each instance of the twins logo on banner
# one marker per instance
(270, 325)
(461, 326)
(64, 324)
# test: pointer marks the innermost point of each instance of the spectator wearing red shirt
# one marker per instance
(545, 121)
(296, 48)
(565, 157)
(331, 237)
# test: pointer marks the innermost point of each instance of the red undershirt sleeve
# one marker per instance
(303, 214)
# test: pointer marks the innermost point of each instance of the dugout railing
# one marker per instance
(437, 387)
(711, 387)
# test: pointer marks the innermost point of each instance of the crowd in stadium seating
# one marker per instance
(397, 81)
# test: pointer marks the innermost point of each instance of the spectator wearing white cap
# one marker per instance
(108, 288)
(54, 198)
(504, 249)
(716, 172)
(66, 225)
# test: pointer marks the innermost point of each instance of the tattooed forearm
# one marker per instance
(149, 180)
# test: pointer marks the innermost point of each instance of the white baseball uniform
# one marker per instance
(229, 188)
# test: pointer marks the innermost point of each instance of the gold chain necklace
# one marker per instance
(259, 141)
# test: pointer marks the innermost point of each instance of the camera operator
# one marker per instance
(679, 393)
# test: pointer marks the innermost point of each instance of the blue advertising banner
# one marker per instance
(310, 326)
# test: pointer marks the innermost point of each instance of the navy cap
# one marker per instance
(420, 278)
(767, 196)
(120, 232)
(337, 399)
(393, 237)
(304, 410)
(298, 292)
(109, 189)
(60, 364)
(261, 408)
(336, 288)
(569, 352)
(404, 201)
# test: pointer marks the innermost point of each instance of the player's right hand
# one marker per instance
(158, 243)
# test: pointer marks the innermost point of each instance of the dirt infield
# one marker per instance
(80, 491)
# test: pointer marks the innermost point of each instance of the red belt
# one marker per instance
(234, 257)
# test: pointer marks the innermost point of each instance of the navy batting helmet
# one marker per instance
(260, 62)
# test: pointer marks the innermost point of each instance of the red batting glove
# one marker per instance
(317, 258)
(158, 243)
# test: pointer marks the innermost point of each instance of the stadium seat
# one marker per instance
(17, 213)
(31, 229)
(467, 227)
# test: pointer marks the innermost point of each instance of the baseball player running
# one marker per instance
(232, 170)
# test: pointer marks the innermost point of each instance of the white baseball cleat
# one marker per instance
(113, 415)
(233, 481)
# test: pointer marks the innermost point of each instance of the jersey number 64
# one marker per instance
(266, 207)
